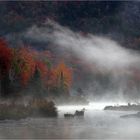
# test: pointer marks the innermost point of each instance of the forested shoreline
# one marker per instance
(25, 72)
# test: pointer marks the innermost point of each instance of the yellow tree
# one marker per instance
(61, 78)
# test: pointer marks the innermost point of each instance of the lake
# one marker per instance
(96, 124)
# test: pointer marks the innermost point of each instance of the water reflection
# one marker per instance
(96, 124)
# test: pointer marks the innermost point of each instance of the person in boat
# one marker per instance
(80, 113)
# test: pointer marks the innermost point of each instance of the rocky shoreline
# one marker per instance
(129, 107)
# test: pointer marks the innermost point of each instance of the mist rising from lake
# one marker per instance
(90, 106)
(96, 124)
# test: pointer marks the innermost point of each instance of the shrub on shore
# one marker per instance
(36, 108)
(12, 111)
(42, 107)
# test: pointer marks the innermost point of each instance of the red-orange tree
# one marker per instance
(5, 57)
(60, 79)
(23, 64)
(5, 64)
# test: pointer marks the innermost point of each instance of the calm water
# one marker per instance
(96, 124)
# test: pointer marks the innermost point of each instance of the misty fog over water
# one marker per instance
(113, 68)
(58, 56)
(96, 124)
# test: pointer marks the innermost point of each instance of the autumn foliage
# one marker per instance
(21, 64)
(5, 57)
(63, 74)
(25, 64)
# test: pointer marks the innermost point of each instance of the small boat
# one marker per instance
(76, 114)
(69, 115)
